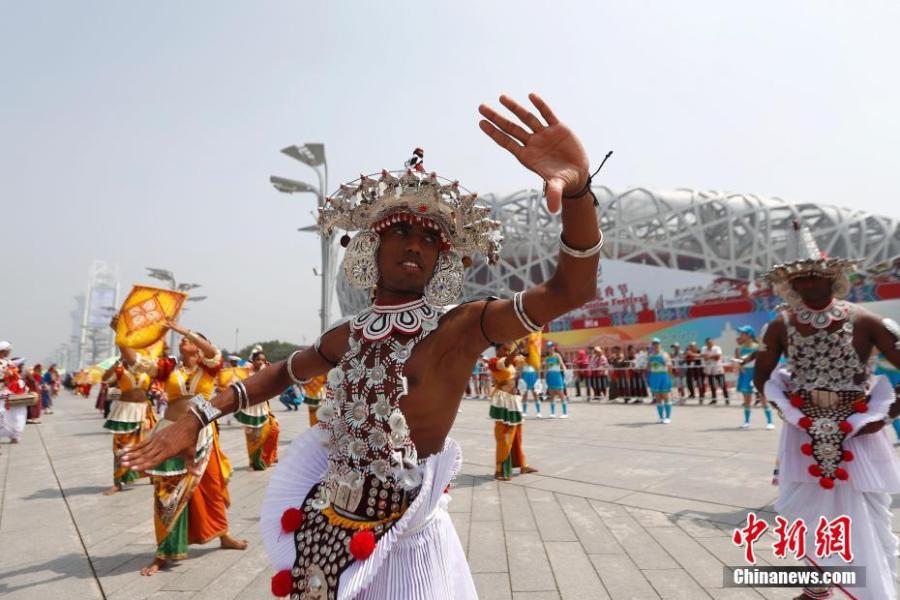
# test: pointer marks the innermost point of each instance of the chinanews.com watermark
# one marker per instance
(847, 577)
(831, 538)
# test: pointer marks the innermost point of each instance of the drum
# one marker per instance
(26, 399)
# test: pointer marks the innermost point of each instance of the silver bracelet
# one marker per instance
(204, 410)
(240, 390)
(524, 319)
(566, 249)
(290, 371)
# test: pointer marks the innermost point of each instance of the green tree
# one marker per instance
(275, 350)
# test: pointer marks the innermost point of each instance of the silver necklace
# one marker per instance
(838, 310)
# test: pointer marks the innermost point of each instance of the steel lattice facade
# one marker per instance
(725, 234)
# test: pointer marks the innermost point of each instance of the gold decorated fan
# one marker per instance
(142, 319)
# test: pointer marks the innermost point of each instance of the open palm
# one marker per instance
(551, 150)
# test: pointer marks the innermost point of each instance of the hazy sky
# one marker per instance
(145, 133)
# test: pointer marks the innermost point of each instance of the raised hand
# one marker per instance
(178, 439)
(171, 324)
(551, 150)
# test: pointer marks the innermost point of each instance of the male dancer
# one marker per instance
(834, 458)
(356, 507)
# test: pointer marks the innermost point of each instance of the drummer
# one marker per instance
(13, 407)
(5, 351)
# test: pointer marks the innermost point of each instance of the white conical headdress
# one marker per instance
(804, 258)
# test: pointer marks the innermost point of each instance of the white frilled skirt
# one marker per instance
(12, 420)
(419, 558)
(874, 545)
(874, 474)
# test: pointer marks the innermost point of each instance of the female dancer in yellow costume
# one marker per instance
(198, 484)
(260, 425)
(506, 411)
(131, 418)
(313, 393)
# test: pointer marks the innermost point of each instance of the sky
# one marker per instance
(144, 134)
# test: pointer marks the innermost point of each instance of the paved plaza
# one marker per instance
(622, 508)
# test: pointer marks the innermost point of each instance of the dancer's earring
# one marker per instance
(446, 283)
(360, 264)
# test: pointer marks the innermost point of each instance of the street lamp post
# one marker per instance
(313, 155)
(165, 275)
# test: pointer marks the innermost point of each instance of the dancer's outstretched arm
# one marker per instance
(181, 437)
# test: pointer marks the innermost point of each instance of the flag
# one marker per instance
(142, 319)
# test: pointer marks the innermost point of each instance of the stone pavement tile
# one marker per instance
(698, 528)
(755, 593)
(461, 523)
(492, 586)
(734, 594)
(608, 510)
(126, 582)
(259, 588)
(230, 583)
(574, 573)
(550, 518)
(572, 488)
(643, 549)
(651, 518)
(485, 501)
(675, 584)
(621, 577)
(594, 536)
(529, 567)
(694, 558)
(61, 576)
(487, 547)
(686, 507)
(724, 549)
(460, 499)
(206, 568)
(535, 596)
(463, 481)
(514, 505)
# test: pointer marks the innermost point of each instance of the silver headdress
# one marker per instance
(371, 203)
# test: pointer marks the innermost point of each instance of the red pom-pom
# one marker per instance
(805, 422)
(861, 406)
(847, 456)
(815, 470)
(282, 583)
(796, 400)
(845, 427)
(826, 482)
(291, 520)
(841, 474)
(362, 544)
(806, 449)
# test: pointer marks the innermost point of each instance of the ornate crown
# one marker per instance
(414, 196)
(804, 258)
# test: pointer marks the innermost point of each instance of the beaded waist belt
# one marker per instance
(329, 539)
(825, 420)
